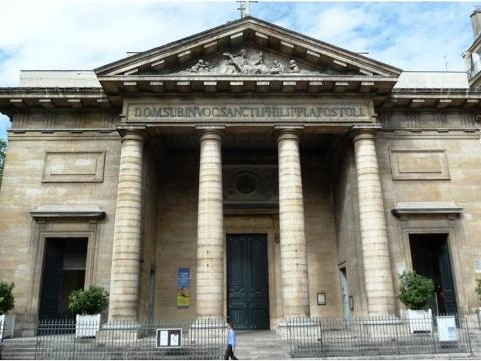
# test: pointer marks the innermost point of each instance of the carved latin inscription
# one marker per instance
(253, 112)
(74, 167)
(419, 164)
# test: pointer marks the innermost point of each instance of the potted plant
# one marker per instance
(478, 292)
(87, 305)
(416, 292)
(7, 302)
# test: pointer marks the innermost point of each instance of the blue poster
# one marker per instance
(184, 277)
(183, 288)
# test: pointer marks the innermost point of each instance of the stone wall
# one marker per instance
(72, 158)
(320, 238)
(440, 166)
(176, 233)
(347, 228)
(65, 177)
(152, 177)
(176, 238)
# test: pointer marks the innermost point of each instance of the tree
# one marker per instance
(3, 153)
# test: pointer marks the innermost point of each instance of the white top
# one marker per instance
(59, 79)
(432, 80)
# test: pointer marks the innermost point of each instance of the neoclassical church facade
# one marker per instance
(248, 172)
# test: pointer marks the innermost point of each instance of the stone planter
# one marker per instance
(7, 326)
(87, 325)
(420, 320)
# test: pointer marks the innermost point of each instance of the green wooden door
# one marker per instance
(447, 280)
(247, 281)
(51, 280)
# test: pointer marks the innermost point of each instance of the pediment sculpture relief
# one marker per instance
(240, 63)
(245, 62)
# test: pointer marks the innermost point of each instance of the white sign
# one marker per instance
(174, 339)
(447, 330)
(169, 337)
(164, 338)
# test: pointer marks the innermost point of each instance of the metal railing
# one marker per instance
(120, 340)
(318, 337)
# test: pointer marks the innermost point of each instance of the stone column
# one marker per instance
(375, 247)
(124, 276)
(210, 228)
(295, 288)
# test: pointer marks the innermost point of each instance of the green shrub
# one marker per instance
(88, 302)
(416, 291)
(7, 302)
(478, 288)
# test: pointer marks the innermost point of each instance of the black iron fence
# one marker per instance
(318, 337)
(206, 338)
(120, 340)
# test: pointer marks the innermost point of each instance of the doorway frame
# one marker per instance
(60, 228)
(245, 223)
(436, 224)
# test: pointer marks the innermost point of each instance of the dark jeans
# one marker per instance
(229, 353)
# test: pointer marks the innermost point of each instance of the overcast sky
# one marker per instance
(87, 34)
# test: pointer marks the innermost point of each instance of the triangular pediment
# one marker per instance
(248, 46)
(247, 60)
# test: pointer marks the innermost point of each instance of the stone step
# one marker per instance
(264, 345)
(407, 357)
(252, 345)
(19, 349)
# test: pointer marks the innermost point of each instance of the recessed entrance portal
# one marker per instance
(63, 272)
(247, 281)
(430, 257)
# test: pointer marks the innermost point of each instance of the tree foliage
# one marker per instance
(415, 290)
(91, 301)
(7, 302)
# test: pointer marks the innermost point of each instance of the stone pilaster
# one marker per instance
(210, 228)
(295, 288)
(375, 247)
(124, 276)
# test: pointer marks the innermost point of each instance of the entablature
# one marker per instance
(18, 99)
(287, 83)
(246, 111)
(430, 99)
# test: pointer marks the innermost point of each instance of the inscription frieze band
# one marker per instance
(257, 112)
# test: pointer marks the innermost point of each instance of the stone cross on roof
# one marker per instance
(245, 7)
